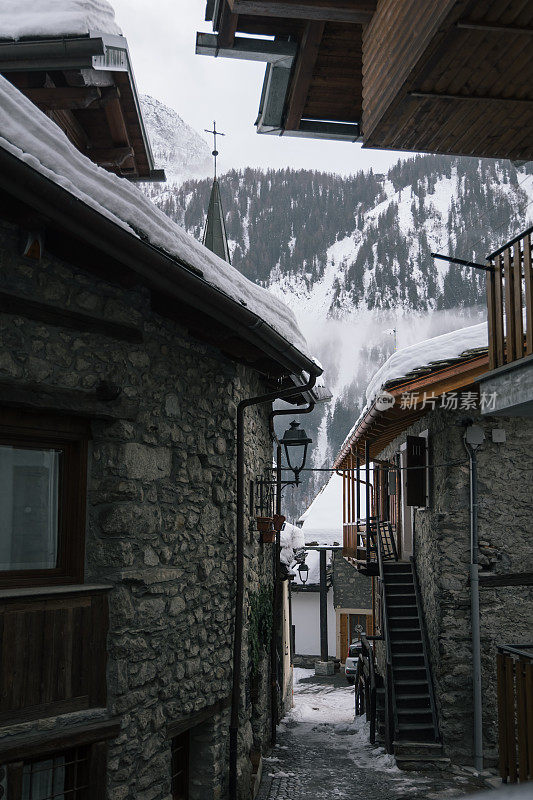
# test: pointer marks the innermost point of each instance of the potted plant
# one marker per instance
(264, 524)
(279, 519)
(268, 537)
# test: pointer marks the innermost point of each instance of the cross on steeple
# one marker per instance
(215, 151)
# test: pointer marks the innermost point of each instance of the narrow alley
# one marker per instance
(321, 753)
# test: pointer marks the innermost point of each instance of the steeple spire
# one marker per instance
(215, 237)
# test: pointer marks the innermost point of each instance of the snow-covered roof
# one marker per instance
(428, 355)
(322, 521)
(32, 137)
(423, 358)
(291, 539)
(36, 19)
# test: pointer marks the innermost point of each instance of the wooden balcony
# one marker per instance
(510, 301)
(53, 654)
(515, 712)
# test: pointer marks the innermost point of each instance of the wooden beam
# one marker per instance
(469, 97)
(507, 579)
(116, 122)
(227, 26)
(486, 27)
(35, 744)
(63, 97)
(109, 156)
(70, 126)
(303, 73)
(353, 11)
(66, 318)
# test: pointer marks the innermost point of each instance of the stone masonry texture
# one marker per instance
(351, 589)
(161, 518)
(442, 553)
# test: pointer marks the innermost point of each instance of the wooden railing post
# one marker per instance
(528, 292)
(517, 287)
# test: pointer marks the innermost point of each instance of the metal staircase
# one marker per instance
(416, 734)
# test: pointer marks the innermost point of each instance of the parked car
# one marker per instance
(350, 667)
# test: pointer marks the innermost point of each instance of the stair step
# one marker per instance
(402, 631)
(412, 643)
(414, 696)
(405, 683)
(423, 716)
(400, 584)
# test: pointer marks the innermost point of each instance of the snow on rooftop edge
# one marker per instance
(447, 346)
(439, 348)
(55, 18)
(35, 139)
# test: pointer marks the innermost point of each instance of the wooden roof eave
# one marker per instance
(72, 106)
(382, 427)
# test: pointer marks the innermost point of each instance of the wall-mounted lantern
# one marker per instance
(295, 441)
(303, 571)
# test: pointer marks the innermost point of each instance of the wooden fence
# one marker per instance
(515, 712)
(510, 301)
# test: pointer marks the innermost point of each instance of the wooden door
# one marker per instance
(343, 636)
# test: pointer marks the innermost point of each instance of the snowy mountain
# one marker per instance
(177, 147)
(351, 256)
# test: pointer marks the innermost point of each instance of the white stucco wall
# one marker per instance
(306, 620)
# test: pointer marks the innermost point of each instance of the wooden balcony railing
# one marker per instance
(510, 301)
(53, 651)
(515, 712)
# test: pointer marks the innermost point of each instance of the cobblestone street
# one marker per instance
(322, 754)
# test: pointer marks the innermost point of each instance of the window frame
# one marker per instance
(42, 432)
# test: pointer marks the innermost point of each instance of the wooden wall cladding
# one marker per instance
(335, 91)
(453, 77)
(393, 43)
(53, 654)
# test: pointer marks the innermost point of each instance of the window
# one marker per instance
(416, 485)
(43, 464)
(63, 776)
(180, 766)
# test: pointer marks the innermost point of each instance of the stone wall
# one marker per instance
(161, 513)
(442, 552)
(351, 589)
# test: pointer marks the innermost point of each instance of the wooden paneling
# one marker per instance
(515, 712)
(433, 85)
(53, 654)
(510, 302)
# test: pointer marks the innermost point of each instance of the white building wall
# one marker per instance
(306, 620)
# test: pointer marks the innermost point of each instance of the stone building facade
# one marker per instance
(160, 517)
(442, 556)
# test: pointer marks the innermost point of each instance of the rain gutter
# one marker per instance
(280, 394)
(175, 278)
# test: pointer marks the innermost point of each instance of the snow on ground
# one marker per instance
(323, 753)
(32, 137)
(55, 18)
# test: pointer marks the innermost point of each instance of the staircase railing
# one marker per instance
(425, 648)
(391, 715)
(366, 686)
(515, 711)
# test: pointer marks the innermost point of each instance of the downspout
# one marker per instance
(472, 439)
(275, 581)
(293, 391)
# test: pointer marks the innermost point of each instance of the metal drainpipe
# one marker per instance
(239, 567)
(474, 607)
(275, 581)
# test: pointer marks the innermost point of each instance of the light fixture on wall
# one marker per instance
(295, 441)
(303, 571)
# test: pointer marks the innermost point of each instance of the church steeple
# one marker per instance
(215, 237)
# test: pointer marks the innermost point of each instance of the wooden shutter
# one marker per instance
(416, 471)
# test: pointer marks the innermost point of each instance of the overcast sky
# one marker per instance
(161, 37)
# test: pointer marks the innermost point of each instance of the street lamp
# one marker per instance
(303, 570)
(294, 439)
